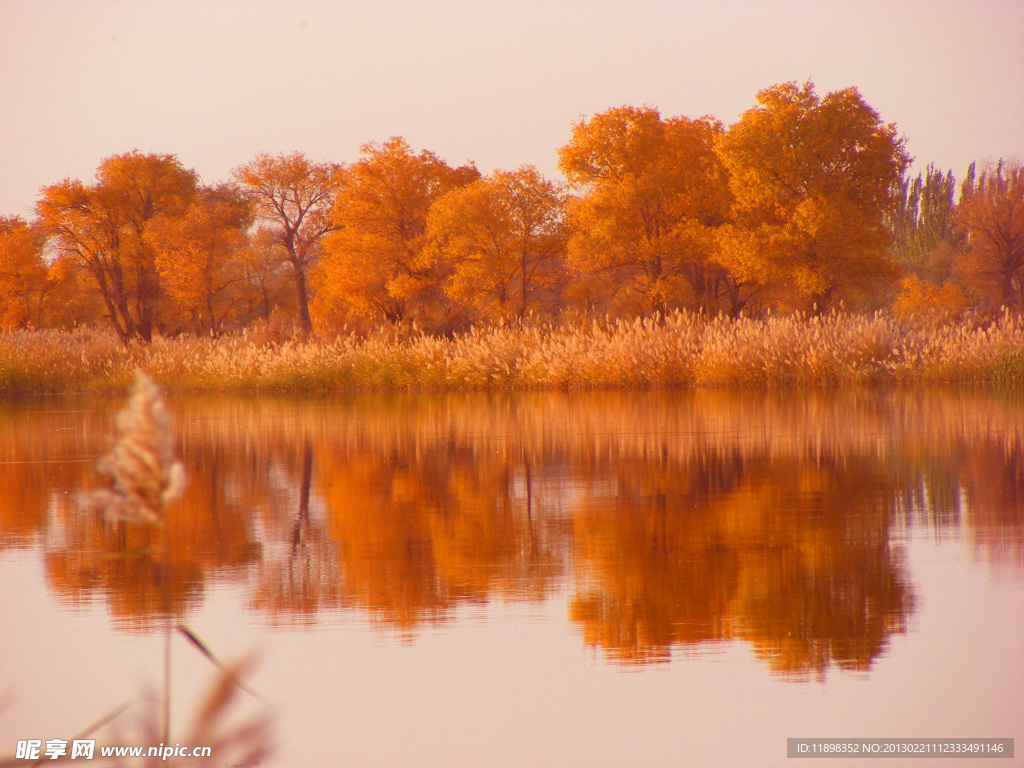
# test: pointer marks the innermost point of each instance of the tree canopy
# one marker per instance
(813, 179)
(992, 213)
(292, 196)
(804, 203)
(23, 274)
(500, 242)
(650, 195)
(103, 227)
(374, 266)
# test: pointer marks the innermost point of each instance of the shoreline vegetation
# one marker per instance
(802, 206)
(681, 349)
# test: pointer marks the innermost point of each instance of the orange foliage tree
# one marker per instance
(268, 284)
(292, 197)
(991, 210)
(651, 194)
(102, 228)
(73, 298)
(501, 242)
(374, 266)
(23, 274)
(197, 258)
(813, 178)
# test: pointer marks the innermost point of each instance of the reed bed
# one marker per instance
(680, 349)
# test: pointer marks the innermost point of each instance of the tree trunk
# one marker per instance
(303, 323)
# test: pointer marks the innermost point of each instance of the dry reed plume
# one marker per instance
(144, 476)
(144, 480)
(679, 349)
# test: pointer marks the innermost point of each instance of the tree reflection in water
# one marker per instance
(670, 521)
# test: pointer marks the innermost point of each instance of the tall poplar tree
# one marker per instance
(923, 225)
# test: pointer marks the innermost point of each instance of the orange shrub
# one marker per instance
(924, 300)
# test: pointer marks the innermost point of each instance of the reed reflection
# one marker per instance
(669, 520)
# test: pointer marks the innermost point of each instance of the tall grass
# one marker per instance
(680, 349)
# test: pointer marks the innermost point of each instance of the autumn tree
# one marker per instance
(501, 242)
(197, 257)
(991, 211)
(813, 178)
(650, 195)
(374, 265)
(269, 286)
(23, 274)
(102, 228)
(72, 299)
(293, 196)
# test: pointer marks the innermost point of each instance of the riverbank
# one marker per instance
(679, 350)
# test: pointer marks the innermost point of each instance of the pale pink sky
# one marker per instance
(498, 83)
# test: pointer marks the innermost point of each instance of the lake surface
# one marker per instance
(607, 579)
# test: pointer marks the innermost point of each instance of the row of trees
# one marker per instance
(802, 204)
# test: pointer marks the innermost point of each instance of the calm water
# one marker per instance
(553, 580)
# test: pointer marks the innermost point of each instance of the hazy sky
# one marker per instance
(498, 83)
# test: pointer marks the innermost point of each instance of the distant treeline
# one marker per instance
(803, 204)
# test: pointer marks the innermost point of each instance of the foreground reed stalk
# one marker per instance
(144, 480)
(680, 349)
